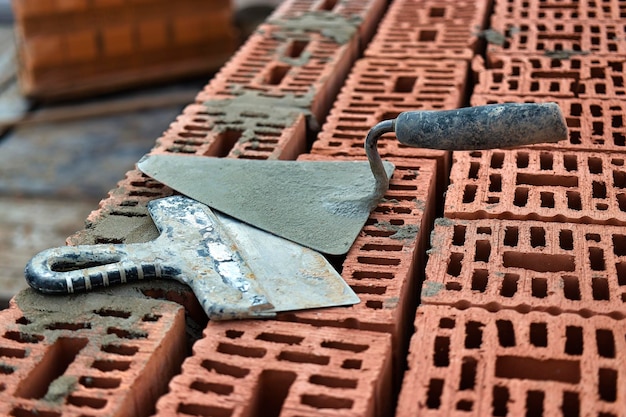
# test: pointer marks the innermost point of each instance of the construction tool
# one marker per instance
(324, 205)
(235, 270)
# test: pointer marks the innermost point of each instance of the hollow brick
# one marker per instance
(527, 266)
(478, 363)
(279, 368)
(564, 11)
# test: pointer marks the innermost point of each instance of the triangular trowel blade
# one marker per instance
(319, 204)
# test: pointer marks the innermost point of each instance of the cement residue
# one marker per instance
(331, 25)
(60, 388)
(442, 221)
(564, 53)
(431, 289)
(403, 232)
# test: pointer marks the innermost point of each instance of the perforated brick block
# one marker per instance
(91, 355)
(598, 38)
(594, 125)
(559, 11)
(300, 69)
(429, 29)
(385, 261)
(366, 13)
(528, 265)
(548, 185)
(541, 76)
(477, 363)
(243, 368)
(226, 128)
(381, 88)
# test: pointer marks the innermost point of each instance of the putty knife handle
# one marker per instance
(483, 127)
(70, 269)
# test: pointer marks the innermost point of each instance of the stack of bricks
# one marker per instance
(523, 303)
(77, 47)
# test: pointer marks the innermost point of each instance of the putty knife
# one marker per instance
(324, 205)
(235, 270)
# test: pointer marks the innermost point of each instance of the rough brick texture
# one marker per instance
(299, 68)
(549, 185)
(87, 355)
(527, 265)
(477, 363)
(368, 12)
(288, 369)
(599, 38)
(594, 125)
(559, 11)
(381, 88)
(429, 29)
(77, 47)
(540, 76)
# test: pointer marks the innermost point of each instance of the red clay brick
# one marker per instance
(278, 368)
(368, 12)
(599, 38)
(556, 10)
(89, 355)
(527, 265)
(478, 363)
(578, 77)
(594, 125)
(382, 265)
(431, 29)
(305, 70)
(524, 184)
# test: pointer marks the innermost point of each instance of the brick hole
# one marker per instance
(546, 180)
(303, 357)
(511, 236)
(374, 304)
(537, 237)
(538, 334)
(495, 183)
(571, 404)
(607, 384)
(455, 265)
(458, 236)
(378, 261)
(123, 350)
(224, 368)
(206, 387)
(566, 239)
(446, 323)
(107, 365)
(280, 338)
(328, 5)
(453, 286)
(323, 401)
(127, 334)
(89, 402)
(23, 321)
(437, 12)
(441, 351)
(33, 412)
(99, 382)
(509, 285)
(480, 278)
(57, 358)
(473, 170)
(539, 287)
(224, 142)
(571, 287)
(534, 403)
(539, 262)
(352, 364)
(522, 159)
(619, 139)
(191, 409)
(483, 230)
(427, 35)
(113, 313)
(521, 197)
(243, 351)
(433, 395)
(68, 326)
(6, 369)
(383, 248)
(596, 259)
(473, 335)
(469, 195)
(517, 367)
(276, 74)
(6, 352)
(482, 251)
(348, 347)
(617, 121)
(360, 275)
(296, 47)
(506, 333)
(598, 189)
(500, 401)
(405, 84)
(619, 179)
(465, 405)
(468, 373)
(600, 289)
(605, 343)
(574, 139)
(621, 202)
(574, 340)
(574, 201)
(547, 199)
(333, 382)
(368, 289)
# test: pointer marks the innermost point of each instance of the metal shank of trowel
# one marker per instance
(471, 128)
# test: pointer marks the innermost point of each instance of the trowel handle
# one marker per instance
(70, 269)
(483, 127)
